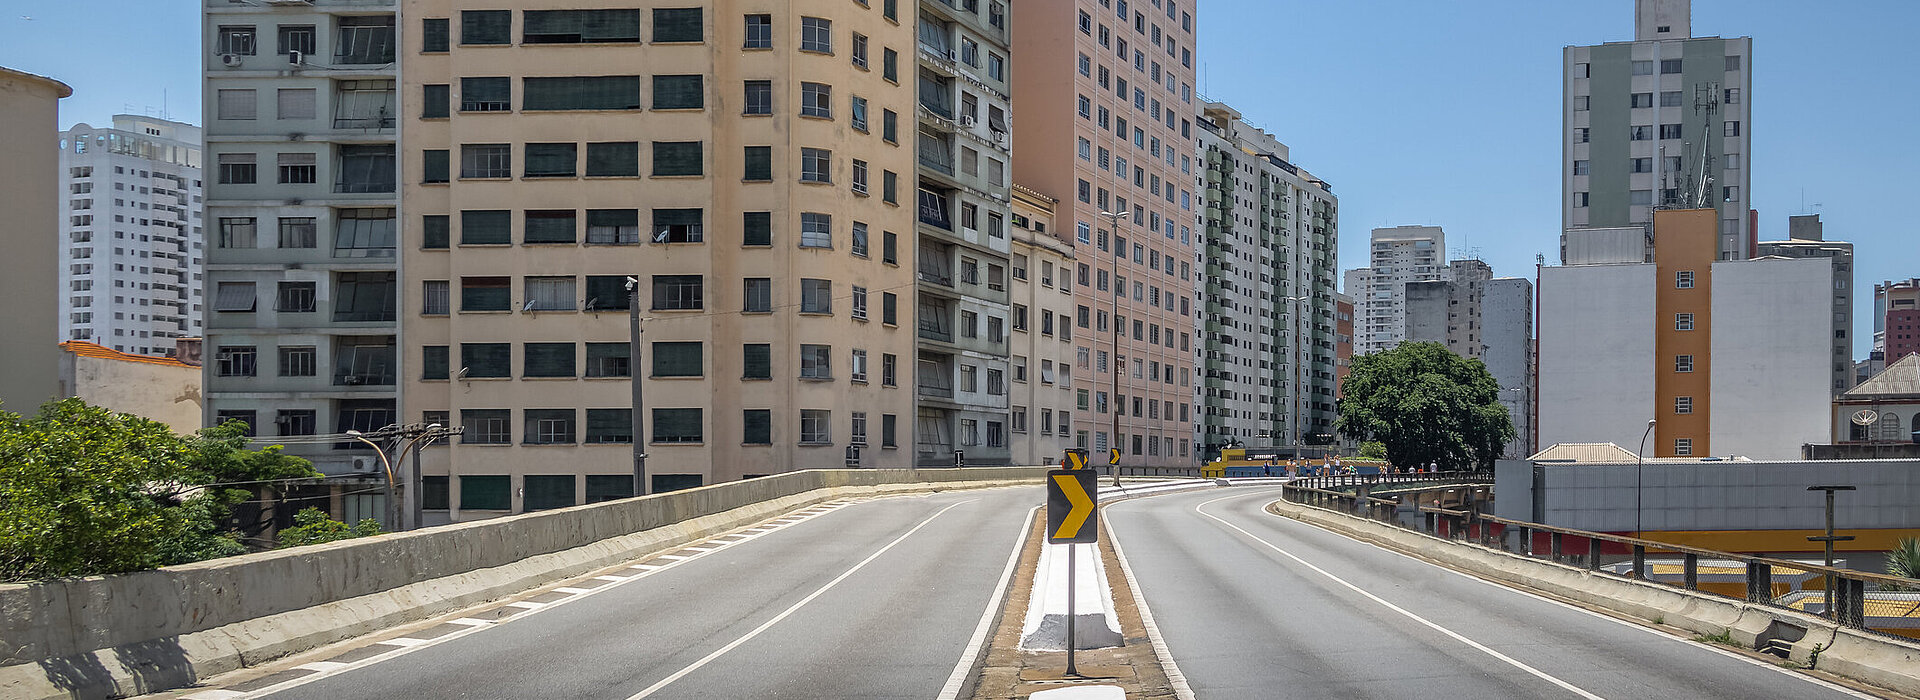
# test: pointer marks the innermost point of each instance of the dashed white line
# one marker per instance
(471, 622)
(215, 695)
(670, 557)
(615, 579)
(402, 642)
(322, 666)
(570, 590)
(526, 605)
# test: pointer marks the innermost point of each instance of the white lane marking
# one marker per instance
(611, 579)
(1715, 648)
(951, 691)
(321, 665)
(696, 549)
(401, 649)
(402, 642)
(784, 614)
(1178, 680)
(470, 622)
(1537, 673)
(670, 557)
(570, 590)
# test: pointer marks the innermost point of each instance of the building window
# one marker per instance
(609, 426)
(298, 168)
(613, 226)
(485, 293)
(679, 359)
(816, 165)
(816, 296)
(298, 361)
(757, 295)
(236, 361)
(679, 92)
(1683, 404)
(486, 360)
(1683, 363)
(298, 103)
(1731, 128)
(486, 426)
(759, 32)
(889, 308)
(433, 298)
(816, 230)
(1641, 100)
(237, 168)
(364, 40)
(756, 228)
(1683, 279)
(816, 426)
(606, 92)
(756, 361)
(295, 297)
(678, 293)
(678, 25)
(245, 418)
(486, 160)
(609, 360)
(549, 294)
(816, 100)
(859, 113)
(548, 426)
(859, 50)
(234, 296)
(1683, 446)
(237, 40)
(756, 426)
(816, 361)
(580, 27)
(860, 303)
(435, 35)
(1683, 322)
(758, 164)
(237, 232)
(816, 35)
(486, 27)
(759, 97)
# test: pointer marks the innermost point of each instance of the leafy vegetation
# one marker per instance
(85, 491)
(1424, 406)
(1372, 449)
(312, 526)
(1904, 560)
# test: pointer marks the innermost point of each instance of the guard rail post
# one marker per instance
(1556, 543)
(1640, 562)
(1692, 574)
(1759, 582)
(1593, 554)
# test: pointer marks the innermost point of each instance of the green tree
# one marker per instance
(1426, 406)
(1372, 449)
(311, 526)
(85, 491)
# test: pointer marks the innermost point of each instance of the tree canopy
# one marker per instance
(85, 491)
(1426, 406)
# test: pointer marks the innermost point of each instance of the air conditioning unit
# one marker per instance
(230, 60)
(967, 120)
(363, 464)
(953, 55)
(295, 57)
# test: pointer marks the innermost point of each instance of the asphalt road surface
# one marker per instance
(1253, 605)
(878, 599)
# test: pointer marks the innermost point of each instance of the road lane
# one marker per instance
(1252, 605)
(893, 627)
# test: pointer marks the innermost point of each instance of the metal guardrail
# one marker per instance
(1334, 482)
(1570, 546)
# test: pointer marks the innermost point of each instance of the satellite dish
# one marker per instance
(462, 374)
(530, 305)
(1865, 416)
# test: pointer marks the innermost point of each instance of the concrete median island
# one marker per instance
(129, 634)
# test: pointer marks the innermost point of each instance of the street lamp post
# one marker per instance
(392, 513)
(416, 480)
(1293, 414)
(634, 378)
(1639, 467)
(1113, 396)
(1829, 539)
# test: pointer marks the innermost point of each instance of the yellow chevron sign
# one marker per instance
(1072, 501)
(1076, 459)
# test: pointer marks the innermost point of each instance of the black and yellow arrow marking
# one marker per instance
(1076, 459)
(1072, 501)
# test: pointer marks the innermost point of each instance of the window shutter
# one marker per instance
(756, 228)
(756, 426)
(615, 159)
(433, 362)
(557, 226)
(549, 360)
(235, 296)
(581, 92)
(487, 359)
(677, 24)
(492, 226)
(679, 92)
(676, 425)
(677, 158)
(550, 159)
(678, 359)
(758, 163)
(757, 358)
(298, 103)
(237, 104)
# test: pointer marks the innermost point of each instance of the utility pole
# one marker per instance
(635, 379)
(1113, 438)
(1829, 539)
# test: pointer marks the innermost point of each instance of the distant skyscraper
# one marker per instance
(1400, 255)
(130, 274)
(1896, 320)
(1662, 121)
(1448, 310)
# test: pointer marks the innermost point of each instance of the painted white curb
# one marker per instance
(1095, 624)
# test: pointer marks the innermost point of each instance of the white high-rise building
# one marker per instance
(1506, 318)
(1399, 255)
(131, 238)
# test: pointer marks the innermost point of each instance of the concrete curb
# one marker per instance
(1881, 661)
(1096, 625)
(163, 661)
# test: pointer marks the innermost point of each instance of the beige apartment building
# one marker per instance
(30, 107)
(748, 163)
(1106, 125)
(1043, 303)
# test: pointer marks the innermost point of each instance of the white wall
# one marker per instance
(1772, 323)
(1596, 353)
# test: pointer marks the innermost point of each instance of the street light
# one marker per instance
(1293, 415)
(416, 480)
(392, 513)
(634, 354)
(1113, 397)
(1639, 467)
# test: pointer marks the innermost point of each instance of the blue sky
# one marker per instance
(1417, 111)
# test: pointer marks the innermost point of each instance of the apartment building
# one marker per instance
(1806, 238)
(1728, 357)
(1267, 317)
(748, 169)
(301, 211)
(1506, 316)
(1449, 310)
(1896, 320)
(963, 145)
(30, 109)
(1399, 255)
(1343, 341)
(1663, 121)
(132, 236)
(1042, 349)
(1106, 127)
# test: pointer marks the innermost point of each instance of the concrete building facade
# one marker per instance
(750, 173)
(130, 275)
(1896, 320)
(1448, 311)
(1806, 239)
(163, 388)
(1266, 321)
(30, 108)
(1106, 100)
(1398, 255)
(1342, 341)
(1728, 357)
(1042, 341)
(301, 121)
(963, 142)
(1662, 121)
(1507, 322)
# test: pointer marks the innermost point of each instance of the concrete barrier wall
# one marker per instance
(140, 632)
(1883, 661)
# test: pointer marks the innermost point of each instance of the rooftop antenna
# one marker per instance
(1706, 100)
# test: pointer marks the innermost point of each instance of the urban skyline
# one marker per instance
(1807, 168)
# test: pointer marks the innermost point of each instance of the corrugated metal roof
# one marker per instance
(1585, 452)
(86, 349)
(1900, 379)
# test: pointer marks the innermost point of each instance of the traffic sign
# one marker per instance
(1076, 459)
(1072, 497)
(1113, 456)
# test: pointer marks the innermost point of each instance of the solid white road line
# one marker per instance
(526, 605)
(964, 668)
(570, 590)
(1542, 675)
(1178, 680)
(402, 642)
(730, 646)
(614, 579)
(321, 665)
(215, 695)
(1715, 648)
